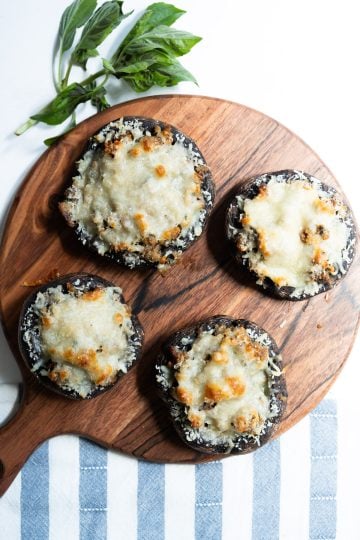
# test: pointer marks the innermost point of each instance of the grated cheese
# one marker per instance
(85, 337)
(294, 233)
(223, 381)
(140, 191)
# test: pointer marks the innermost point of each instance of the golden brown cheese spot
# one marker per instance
(63, 375)
(105, 375)
(184, 395)
(318, 256)
(214, 392)
(53, 376)
(87, 360)
(308, 236)
(322, 232)
(219, 357)
(256, 351)
(118, 318)
(234, 337)
(91, 296)
(111, 147)
(171, 234)
(140, 222)
(328, 267)
(197, 177)
(135, 151)
(111, 223)
(243, 424)
(237, 386)
(122, 246)
(164, 134)
(324, 205)
(195, 420)
(149, 143)
(58, 375)
(240, 424)
(280, 281)
(46, 321)
(239, 334)
(255, 420)
(245, 221)
(82, 359)
(160, 171)
(262, 191)
(262, 243)
(197, 181)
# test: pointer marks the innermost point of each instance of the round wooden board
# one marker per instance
(315, 336)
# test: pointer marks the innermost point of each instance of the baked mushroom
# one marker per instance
(292, 232)
(142, 193)
(222, 381)
(78, 336)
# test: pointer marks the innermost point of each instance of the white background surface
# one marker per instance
(297, 61)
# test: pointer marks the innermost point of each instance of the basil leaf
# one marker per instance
(160, 75)
(173, 74)
(99, 100)
(144, 62)
(175, 42)
(82, 56)
(52, 140)
(105, 19)
(64, 104)
(74, 17)
(109, 68)
(156, 14)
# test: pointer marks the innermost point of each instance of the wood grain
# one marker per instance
(315, 336)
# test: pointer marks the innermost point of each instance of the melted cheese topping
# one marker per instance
(300, 236)
(85, 336)
(139, 191)
(223, 381)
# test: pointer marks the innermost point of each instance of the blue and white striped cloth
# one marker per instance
(71, 488)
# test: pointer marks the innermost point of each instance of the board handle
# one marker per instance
(18, 439)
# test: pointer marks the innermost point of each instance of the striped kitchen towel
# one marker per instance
(289, 489)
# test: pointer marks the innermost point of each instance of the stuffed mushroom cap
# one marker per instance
(292, 232)
(222, 381)
(78, 336)
(142, 193)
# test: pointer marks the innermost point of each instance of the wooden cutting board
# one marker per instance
(315, 336)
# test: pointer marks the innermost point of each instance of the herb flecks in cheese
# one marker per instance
(133, 188)
(294, 233)
(224, 382)
(85, 337)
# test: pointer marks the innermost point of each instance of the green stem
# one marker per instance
(93, 77)
(28, 124)
(58, 82)
(67, 74)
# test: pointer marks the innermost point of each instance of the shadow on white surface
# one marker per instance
(9, 402)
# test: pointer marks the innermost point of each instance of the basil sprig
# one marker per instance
(146, 57)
